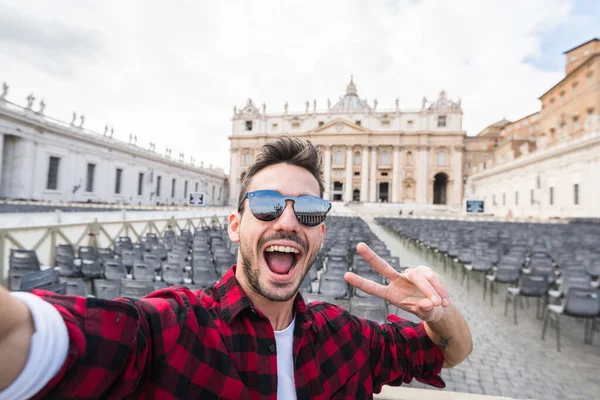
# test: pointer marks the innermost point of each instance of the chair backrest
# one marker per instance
(24, 259)
(582, 303)
(88, 253)
(92, 268)
(506, 274)
(75, 286)
(39, 280)
(114, 270)
(534, 285)
(106, 289)
(373, 309)
(142, 271)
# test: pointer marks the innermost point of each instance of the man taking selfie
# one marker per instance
(250, 336)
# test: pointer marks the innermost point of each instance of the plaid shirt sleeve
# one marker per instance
(113, 342)
(402, 351)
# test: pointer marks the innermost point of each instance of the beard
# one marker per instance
(252, 273)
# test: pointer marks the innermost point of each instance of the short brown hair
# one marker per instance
(298, 152)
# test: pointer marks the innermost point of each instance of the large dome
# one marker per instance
(350, 102)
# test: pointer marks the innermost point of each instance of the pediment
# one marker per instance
(339, 127)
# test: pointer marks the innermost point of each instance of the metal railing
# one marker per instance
(44, 239)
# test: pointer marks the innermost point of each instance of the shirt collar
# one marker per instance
(234, 300)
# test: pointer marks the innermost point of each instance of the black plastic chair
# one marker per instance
(531, 286)
(579, 303)
(502, 274)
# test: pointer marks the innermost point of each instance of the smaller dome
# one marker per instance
(350, 102)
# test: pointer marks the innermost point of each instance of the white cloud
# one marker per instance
(171, 74)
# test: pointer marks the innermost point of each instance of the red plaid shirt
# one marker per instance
(179, 344)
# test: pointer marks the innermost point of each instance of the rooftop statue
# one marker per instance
(285, 107)
(30, 100)
(42, 107)
(4, 91)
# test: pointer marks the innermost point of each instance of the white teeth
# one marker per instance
(282, 249)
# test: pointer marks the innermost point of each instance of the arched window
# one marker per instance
(339, 160)
(409, 158)
(357, 158)
(441, 158)
(246, 160)
(384, 158)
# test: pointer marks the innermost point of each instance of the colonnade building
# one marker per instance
(42, 158)
(370, 154)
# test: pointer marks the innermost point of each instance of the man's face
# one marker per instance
(260, 268)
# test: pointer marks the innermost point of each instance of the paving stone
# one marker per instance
(509, 360)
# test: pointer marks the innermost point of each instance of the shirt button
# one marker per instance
(272, 348)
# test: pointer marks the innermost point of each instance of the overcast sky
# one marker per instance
(170, 72)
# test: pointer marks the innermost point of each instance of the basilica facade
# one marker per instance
(369, 154)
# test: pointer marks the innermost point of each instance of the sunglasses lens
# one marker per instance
(266, 205)
(311, 210)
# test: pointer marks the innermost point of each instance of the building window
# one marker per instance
(158, 181)
(246, 160)
(532, 197)
(185, 188)
(248, 125)
(52, 182)
(441, 121)
(118, 179)
(441, 158)
(410, 123)
(551, 196)
(573, 58)
(385, 123)
(503, 199)
(89, 182)
(338, 158)
(576, 123)
(359, 123)
(295, 125)
(220, 191)
(384, 174)
(516, 198)
(357, 158)
(140, 184)
(213, 193)
(562, 97)
(173, 183)
(590, 78)
(321, 123)
(196, 190)
(274, 126)
(574, 89)
(576, 194)
(385, 158)
(409, 159)
(494, 198)
(357, 173)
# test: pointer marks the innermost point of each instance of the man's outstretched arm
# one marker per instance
(452, 335)
(16, 330)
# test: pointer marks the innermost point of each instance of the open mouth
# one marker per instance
(281, 259)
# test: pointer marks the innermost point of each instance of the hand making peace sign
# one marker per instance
(419, 290)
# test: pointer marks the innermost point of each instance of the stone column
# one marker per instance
(327, 173)
(457, 176)
(364, 176)
(233, 179)
(396, 196)
(1, 155)
(349, 174)
(373, 178)
(422, 174)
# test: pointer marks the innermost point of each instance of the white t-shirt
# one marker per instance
(284, 340)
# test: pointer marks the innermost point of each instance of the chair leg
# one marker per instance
(593, 328)
(537, 310)
(546, 317)
(468, 280)
(515, 310)
(492, 293)
(464, 275)
(506, 300)
(557, 322)
(586, 332)
(484, 288)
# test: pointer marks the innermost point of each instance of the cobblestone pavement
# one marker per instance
(509, 360)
